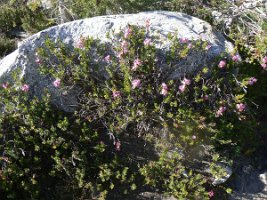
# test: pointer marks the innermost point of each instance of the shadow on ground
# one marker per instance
(249, 181)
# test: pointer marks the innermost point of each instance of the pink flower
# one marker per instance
(136, 64)
(264, 66)
(190, 46)
(164, 89)
(164, 86)
(184, 40)
(252, 80)
(125, 46)
(57, 82)
(128, 32)
(25, 88)
(211, 194)
(236, 58)
(5, 85)
(240, 107)
(136, 83)
(222, 64)
(164, 92)
(182, 87)
(147, 42)
(80, 43)
(194, 137)
(116, 94)
(208, 47)
(220, 112)
(206, 97)
(38, 61)
(264, 60)
(107, 58)
(186, 81)
(118, 145)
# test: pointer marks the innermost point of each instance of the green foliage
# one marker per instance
(6, 45)
(126, 96)
(171, 176)
(9, 18)
(44, 156)
(31, 19)
(89, 8)
(16, 16)
(124, 93)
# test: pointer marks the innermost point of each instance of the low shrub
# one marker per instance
(7, 45)
(18, 15)
(126, 97)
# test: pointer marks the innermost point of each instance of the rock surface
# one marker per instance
(250, 183)
(162, 23)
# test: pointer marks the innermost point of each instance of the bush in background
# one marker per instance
(7, 45)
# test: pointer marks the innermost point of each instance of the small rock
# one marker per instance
(228, 172)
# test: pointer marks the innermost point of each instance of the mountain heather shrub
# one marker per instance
(126, 97)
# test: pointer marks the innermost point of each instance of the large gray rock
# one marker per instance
(162, 23)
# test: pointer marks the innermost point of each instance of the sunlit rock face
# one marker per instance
(161, 23)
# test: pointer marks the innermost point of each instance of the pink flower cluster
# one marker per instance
(125, 46)
(164, 89)
(184, 40)
(222, 64)
(57, 82)
(38, 61)
(211, 194)
(117, 145)
(5, 85)
(136, 64)
(252, 80)
(80, 43)
(128, 32)
(116, 94)
(190, 46)
(240, 107)
(208, 47)
(185, 82)
(107, 58)
(25, 88)
(147, 42)
(264, 63)
(136, 83)
(236, 58)
(220, 111)
(124, 49)
(205, 97)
